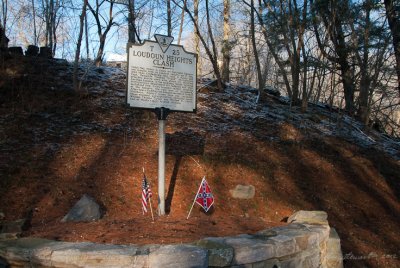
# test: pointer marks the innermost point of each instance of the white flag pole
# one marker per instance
(151, 209)
(195, 197)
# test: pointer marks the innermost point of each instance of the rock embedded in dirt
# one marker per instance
(243, 191)
(86, 209)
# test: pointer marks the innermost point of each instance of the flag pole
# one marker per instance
(151, 209)
(194, 201)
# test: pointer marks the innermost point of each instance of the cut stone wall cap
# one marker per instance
(219, 254)
(178, 256)
(310, 217)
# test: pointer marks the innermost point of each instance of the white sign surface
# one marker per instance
(161, 79)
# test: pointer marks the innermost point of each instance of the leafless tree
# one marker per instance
(169, 18)
(102, 30)
(393, 16)
(181, 24)
(333, 15)
(196, 37)
(3, 22)
(260, 79)
(51, 17)
(226, 42)
(212, 52)
(283, 29)
(78, 46)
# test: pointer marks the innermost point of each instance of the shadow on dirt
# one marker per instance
(180, 144)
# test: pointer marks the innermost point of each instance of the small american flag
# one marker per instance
(146, 193)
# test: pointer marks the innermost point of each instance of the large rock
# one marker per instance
(86, 209)
(171, 256)
(243, 191)
(309, 217)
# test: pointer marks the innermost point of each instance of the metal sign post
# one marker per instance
(162, 114)
(161, 167)
(161, 76)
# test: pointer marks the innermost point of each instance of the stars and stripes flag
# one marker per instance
(146, 193)
(204, 197)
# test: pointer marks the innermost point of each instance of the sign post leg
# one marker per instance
(161, 167)
(162, 114)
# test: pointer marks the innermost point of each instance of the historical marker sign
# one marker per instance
(161, 75)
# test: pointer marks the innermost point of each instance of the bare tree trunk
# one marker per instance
(169, 18)
(182, 21)
(274, 53)
(294, 56)
(394, 23)
(34, 23)
(133, 36)
(78, 47)
(333, 85)
(99, 57)
(333, 21)
(260, 79)
(212, 54)
(102, 35)
(363, 109)
(131, 22)
(321, 81)
(54, 27)
(197, 39)
(214, 48)
(304, 97)
(226, 46)
(50, 24)
(3, 23)
(46, 17)
(301, 47)
(87, 38)
(151, 20)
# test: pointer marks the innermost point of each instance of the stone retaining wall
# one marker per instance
(306, 242)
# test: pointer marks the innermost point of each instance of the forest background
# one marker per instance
(341, 53)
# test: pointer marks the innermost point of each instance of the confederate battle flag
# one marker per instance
(204, 196)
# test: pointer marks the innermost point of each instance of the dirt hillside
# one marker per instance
(56, 145)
